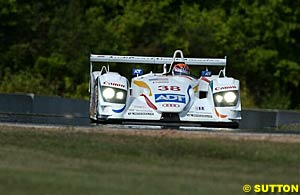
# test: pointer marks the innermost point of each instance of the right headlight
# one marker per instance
(230, 97)
(114, 95)
(226, 98)
(120, 95)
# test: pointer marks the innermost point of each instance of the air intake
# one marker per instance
(170, 117)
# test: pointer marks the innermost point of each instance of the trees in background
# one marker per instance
(44, 46)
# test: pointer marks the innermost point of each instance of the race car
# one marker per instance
(164, 98)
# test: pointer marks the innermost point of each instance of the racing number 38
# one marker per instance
(168, 88)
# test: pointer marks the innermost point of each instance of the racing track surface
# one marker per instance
(45, 122)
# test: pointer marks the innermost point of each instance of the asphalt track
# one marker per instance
(54, 122)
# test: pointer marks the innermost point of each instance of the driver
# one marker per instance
(181, 69)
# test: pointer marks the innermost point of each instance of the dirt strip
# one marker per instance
(213, 134)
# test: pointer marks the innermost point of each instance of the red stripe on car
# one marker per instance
(220, 115)
(205, 79)
(149, 103)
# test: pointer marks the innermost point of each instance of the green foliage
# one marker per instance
(53, 39)
(281, 100)
(288, 71)
(51, 67)
(24, 82)
(247, 99)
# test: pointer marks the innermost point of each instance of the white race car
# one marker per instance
(164, 98)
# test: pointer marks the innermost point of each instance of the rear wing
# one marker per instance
(158, 60)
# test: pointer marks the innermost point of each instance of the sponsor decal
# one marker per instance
(159, 79)
(141, 113)
(162, 81)
(200, 115)
(171, 105)
(225, 87)
(113, 84)
(137, 71)
(170, 98)
(205, 73)
(139, 108)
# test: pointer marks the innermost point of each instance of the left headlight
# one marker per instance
(114, 95)
(226, 98)
(108, 93)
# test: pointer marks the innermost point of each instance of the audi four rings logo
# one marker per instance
(225, 87)
(171, 105)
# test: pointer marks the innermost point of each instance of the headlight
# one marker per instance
(226, 98)
(114, 95)
(108, 93)
(230, 97)
(120, 95)
(219, 98)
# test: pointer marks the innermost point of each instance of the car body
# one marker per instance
(207, 100)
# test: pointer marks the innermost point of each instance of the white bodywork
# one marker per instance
(163, 96)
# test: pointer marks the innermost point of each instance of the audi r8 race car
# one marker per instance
(166, 97)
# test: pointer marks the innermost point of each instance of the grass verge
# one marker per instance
(69, 161)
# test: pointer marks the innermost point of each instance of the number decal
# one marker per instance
(174, 88)
(167, 88)
(163, 88)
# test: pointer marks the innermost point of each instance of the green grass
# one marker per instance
(73, 162)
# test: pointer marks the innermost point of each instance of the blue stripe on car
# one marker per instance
(188, 92)
(119, 111)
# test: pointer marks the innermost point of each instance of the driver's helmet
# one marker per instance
(181, 69)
